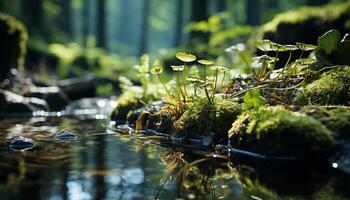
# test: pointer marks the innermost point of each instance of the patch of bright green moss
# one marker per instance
(277, 131)
(326, 13)
(204, 118)
(332, 88)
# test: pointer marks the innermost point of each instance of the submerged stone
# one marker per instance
(279, 132)
(21, 143)
(65, 135)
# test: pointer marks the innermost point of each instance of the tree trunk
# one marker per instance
(178, 22)
(101, 23)
(86, 22)
(65, 20)
(253, 12)
(144, 27)
(220, 5)
(33, 15)
(199, 12)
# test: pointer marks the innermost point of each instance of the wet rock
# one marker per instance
(132, 176)
(53, 95)
(13, 38)
(151, 108)
(279, 132)
(161, 121)
(21, 143)
(14, 103)
(65, 135)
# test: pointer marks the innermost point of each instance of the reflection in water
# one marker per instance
(107, 165)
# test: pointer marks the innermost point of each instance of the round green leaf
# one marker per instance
(186, 57)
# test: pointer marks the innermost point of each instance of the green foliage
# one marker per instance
(332, 50)
(277, 131)
(329, 41)
(253, 100)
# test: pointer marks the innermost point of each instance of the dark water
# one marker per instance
(102, 164)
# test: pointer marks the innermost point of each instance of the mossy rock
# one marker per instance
(332, 88)
(279, 132)
(208, 119)
(128, 101)
(13, 39)
(304, 23)
(336, 119)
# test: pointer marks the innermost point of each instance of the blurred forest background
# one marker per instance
(101, 36)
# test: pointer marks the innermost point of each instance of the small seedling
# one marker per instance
(253, 100)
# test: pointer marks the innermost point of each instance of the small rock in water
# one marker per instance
(66, 135)
(207, 141)
(21, 143)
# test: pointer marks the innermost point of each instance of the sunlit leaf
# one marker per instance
(267, 45)
(253, 99)
(237, 47)
(214, 68)
(306, 61)
(263, 59)
(157, 70)
(222, 69)
(186, 57)
(288, 47)
(305, 47)
(206, 62)
(178, 68)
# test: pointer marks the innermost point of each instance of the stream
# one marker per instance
(96, 162)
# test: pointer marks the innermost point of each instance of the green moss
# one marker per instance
(129, 100)
(332, 88)
(325, 13)
(13, 40)
(335, 119)
(204, 118)
(277, 131)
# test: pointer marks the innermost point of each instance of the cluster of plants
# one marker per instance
(204, 83)
(253, 112)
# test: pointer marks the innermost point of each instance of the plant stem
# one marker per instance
(205, 83)
(179, 86)
(166, 89)
(294, 67)
(184, 80)
(283, 68)
(223, 79)
(215, 83)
